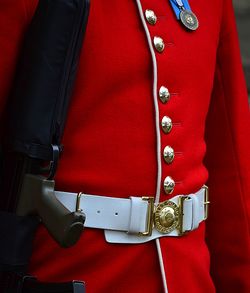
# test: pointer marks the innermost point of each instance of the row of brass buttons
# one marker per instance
(158, 41)
(164, 96)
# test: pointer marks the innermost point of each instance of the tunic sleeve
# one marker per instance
(228, 163)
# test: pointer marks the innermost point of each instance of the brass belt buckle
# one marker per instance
(168, 216)
(206, 202)
(150, 217)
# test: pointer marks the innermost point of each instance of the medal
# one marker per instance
(189, 19)
(184, 13)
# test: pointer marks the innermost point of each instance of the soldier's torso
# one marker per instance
(120, 121)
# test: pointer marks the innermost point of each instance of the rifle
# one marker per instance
(34, 122)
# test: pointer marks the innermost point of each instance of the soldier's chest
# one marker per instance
(117, 39)
(117, 55)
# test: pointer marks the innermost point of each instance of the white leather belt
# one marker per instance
(138, 219)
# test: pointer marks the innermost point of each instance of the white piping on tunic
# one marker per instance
(163, 273)
(157, 119)
(158, 137)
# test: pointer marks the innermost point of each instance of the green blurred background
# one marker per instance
(242, 12)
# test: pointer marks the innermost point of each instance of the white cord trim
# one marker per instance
(158, 137)
(163, 273)
(157, 118)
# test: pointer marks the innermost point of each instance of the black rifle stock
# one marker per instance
(33, 127)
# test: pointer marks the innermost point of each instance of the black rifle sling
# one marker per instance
(41, 93)
(38, 103)
(35, 116)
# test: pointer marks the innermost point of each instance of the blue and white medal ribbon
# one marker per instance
(183, 13)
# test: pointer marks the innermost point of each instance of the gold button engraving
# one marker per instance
(169, 185)
(150, 17)
(166, 217)
(168, 154)
(166, 124)
(164, 94)
(159, 44)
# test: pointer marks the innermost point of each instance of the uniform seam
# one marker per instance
(223, 35)
(232, 138)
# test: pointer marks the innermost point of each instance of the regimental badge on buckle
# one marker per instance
(168, 216)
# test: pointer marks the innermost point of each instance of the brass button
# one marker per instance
(164, 94)
(169, 185)
(150, 17)
(166, 124)
(168, 154)
(159, 44)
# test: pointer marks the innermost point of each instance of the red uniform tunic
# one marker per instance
(114, 143)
